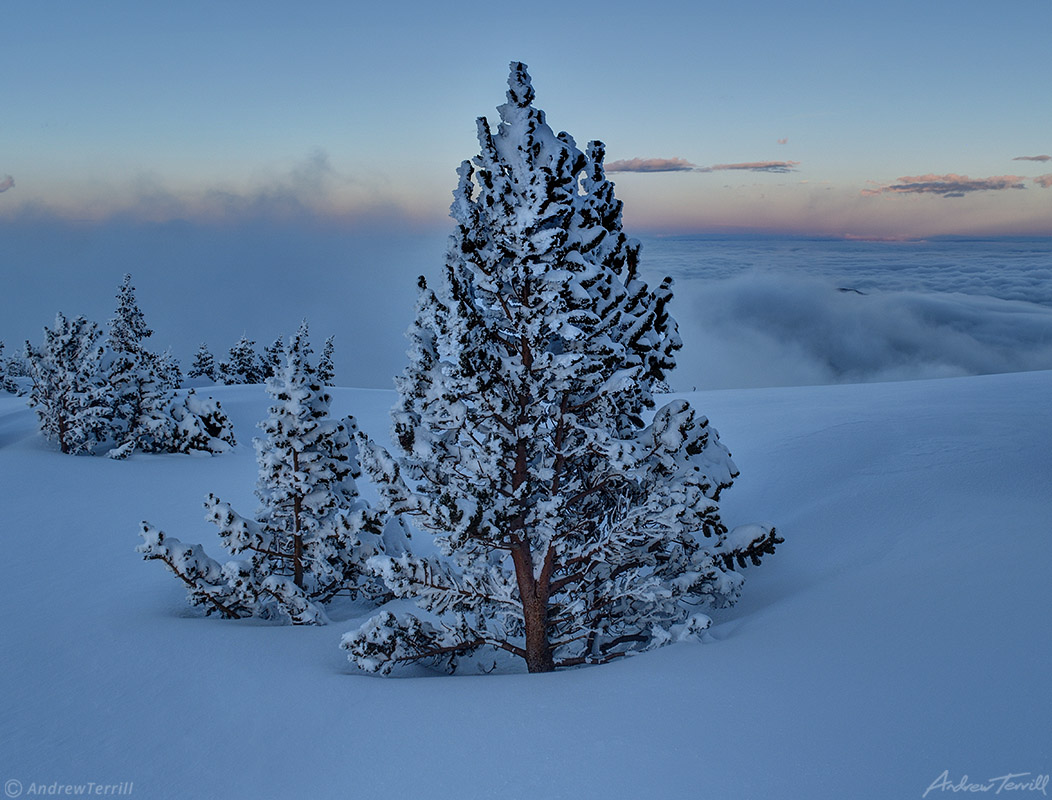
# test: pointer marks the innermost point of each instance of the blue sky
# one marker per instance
(877, 120)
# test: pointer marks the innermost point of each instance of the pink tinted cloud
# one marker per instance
(947, 185)
(1044, 181)
(650, 165)
(6, 183)
(784, 141)
(1032, 158)
(754, 166)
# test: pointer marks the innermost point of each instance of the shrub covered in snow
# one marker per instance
(571, 529)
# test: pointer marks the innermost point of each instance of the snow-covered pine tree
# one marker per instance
(198, 424)
(273, 357)
(68, 391)
(326, 368)
(312, 533)
(168, 370)
(204, 365)
(7, 383)
(243, 365)
(138, 388)
(573, 531)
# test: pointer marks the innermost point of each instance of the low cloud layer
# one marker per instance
(1044, 181)
(6, 183)
(1032, 158)
(760, 329)
(948, 185)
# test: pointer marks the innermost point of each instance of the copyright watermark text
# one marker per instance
(1010, 782)
(15, 788)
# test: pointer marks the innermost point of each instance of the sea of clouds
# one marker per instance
(752, 311)
(769, 312)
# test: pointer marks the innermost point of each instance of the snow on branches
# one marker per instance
(312, 534)
(570, 529)
(87, 392)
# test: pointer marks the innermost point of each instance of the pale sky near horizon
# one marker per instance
(877, 120)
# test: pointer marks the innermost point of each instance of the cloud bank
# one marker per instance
(1044, 181)
(760, 329)
(1032, 158)
(6, 183)
(947, 185)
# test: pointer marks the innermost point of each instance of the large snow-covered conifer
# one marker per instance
(312, 534)
(575, 524)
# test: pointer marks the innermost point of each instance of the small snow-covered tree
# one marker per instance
(199, 424)
(312, 533)
(273, 357)
(243, 364)
(168, 370)
(68, 392)
(138, 388)
(575, 524)
(326, 368)
(7, 383)
(142, 384)
(204, 365)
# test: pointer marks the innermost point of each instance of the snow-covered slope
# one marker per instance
(901, 631)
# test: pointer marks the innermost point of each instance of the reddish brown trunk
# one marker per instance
(534, 612)
(297, 539)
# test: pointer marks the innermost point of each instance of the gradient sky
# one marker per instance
(882, 119)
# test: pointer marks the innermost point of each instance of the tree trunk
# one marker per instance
(297, 537)
(538, 650)
(534, 612)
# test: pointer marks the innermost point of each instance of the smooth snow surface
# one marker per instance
(901, 631)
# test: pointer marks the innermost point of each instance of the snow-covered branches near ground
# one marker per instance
(312, 535)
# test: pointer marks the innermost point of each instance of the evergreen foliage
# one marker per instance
(124, 394)
(244, 364)
(204, 365)
(326, 368)
(68, 392)
(311, 534)
(273, 358)
(138, 379)
(7, 382)
(574, 523)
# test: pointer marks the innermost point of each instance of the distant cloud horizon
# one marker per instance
(950, 185)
